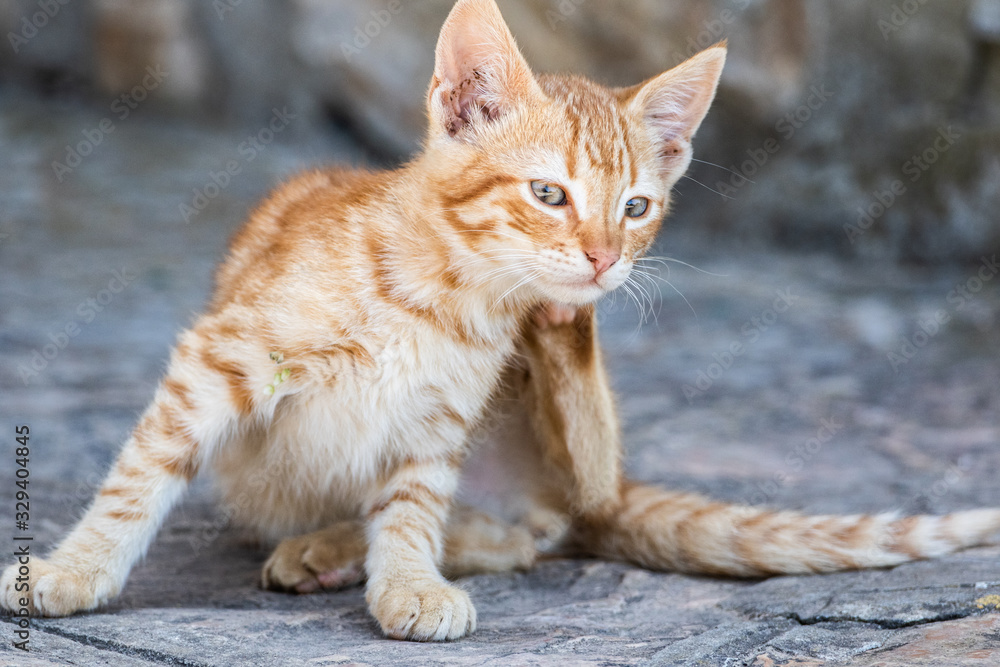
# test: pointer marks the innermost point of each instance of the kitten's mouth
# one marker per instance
(577, 292)
(581, 285)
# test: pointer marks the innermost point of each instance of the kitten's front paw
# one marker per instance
(554, 315)
(330, 558)
(52, 590)
(422, 610)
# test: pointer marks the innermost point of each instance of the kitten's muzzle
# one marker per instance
(602, 260)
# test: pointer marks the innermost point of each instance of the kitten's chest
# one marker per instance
(419, 397)
(328, 450)
(414, 377)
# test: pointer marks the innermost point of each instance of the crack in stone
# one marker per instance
(898, 589)
(884, 624)
(123, 649)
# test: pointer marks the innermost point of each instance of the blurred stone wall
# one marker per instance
(862, 127)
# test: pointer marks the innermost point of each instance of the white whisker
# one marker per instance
(527, 279)
(646, 295)
(674, 288)
(480, 259)
(664, 260)
(651, 282)
(712, 164)
(706, 187)
(506, 271)
(642, 310)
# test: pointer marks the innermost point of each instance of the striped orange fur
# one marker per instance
(365, 323)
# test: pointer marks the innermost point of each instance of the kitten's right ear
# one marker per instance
(674, 103)
(479, 73)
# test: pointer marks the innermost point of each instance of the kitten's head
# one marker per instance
(556, 183)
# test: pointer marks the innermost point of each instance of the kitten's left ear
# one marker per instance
(675, 102)
(479, 72)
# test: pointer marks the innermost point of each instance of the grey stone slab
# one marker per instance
(833, 642)
(721, 644)
(919, 437)
(967, 641)
(186, 605)
(50, 649)
(910, 594)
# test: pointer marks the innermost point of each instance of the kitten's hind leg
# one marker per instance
(612, 517)
(573, 413)
(189, 413)
(334, 557)
(477, 543)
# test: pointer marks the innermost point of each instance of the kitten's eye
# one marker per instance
(636, 207)
(547, 193)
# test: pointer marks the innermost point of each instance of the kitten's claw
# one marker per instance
(554, 314)
(53, 591)
(421, 610)
(329, 558)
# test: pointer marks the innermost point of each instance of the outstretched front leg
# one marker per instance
(612, 517)
(204, 393)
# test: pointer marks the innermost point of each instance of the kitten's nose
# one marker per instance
(602, 259)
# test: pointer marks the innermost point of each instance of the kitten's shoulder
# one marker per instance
(302, 215)
(317, 193)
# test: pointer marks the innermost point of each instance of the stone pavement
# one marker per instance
(811, 414)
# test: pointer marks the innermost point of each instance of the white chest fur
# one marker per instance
(328, 450)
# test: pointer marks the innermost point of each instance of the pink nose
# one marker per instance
(602, 259)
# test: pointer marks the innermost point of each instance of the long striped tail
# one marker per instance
(684, 532)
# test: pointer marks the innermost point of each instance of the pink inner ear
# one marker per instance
(478, 95)
(669, 128)
(675, 103)
(464, 100)
(670, 148)
(471, 96)
(479, 65)
(670, 112)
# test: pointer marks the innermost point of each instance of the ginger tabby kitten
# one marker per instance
(364, 322)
